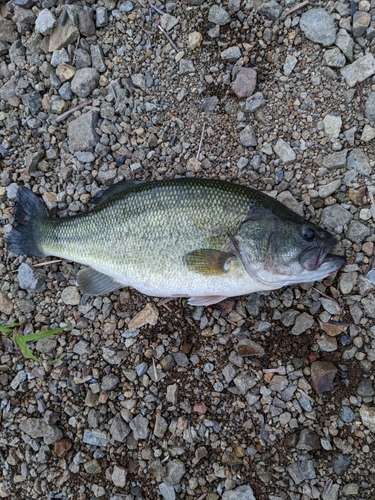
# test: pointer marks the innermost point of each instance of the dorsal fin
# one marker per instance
(118, 188)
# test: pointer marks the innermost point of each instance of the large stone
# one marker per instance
(361, 21)
(334, 58)
(332, 125)
(63, 35)
(241, 493)
(318, 26)
(358, 160)
(6, 304)
(270, 10)
(335, 215)
(322, 375)
(345, 43)
(359, 70)
(248, 137)
(284, 152)
(245, 82)
(148, 316)
(8, 32)
(301, 471)
(370, 107)
(218, 15)
(139, 426)
(81, 132)
(29, 279)
(85, 81)
(368, 417)
(45, 22)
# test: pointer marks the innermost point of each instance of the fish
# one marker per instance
(202, 239)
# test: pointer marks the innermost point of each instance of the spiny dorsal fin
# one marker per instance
(118, 188)
(208, 262)
(95, 283)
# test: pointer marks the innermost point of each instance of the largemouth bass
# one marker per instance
(202, 239)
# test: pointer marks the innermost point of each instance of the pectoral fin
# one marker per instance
(208, 262)
(94, 283)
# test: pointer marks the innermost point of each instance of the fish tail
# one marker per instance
(24, 239)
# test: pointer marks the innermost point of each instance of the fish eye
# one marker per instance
(308, 234)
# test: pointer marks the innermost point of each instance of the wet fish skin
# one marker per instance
(199, 238)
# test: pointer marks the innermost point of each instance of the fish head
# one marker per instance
(281, 251)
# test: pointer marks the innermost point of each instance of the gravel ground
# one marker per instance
(269, 396)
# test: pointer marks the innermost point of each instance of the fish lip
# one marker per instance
(323, 255)
(339, 261)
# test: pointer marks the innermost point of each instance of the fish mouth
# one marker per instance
(315, 257)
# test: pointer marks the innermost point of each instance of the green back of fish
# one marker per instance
(147, 226)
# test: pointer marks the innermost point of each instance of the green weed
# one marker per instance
(23, 340)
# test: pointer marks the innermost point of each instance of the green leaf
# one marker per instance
(19, 339)
(41, 335)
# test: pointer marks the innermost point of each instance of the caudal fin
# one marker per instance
(25, 236)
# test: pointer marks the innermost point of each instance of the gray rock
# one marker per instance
(334, 58)
(284, 152)
(18, 380)
(58, 57)
(37, 428)
(86, 22)
(244, 382)
(357, 231)
(308, 440)
(186, 67)
(331, 491)
(254, 102)
(248, 137)
(181, 359)
(92, 467)
(218, 15)
(365, 388)
(82, 348)
(231, 54)
(85, 81)
(361, 21)
(175, 471)
(139, 80)
(336, 160)
(335, 215)
(368, 417)
(95, 437)
(17, 54)
(303, 322)
(97, 58)
(139, 426)
(109, 382)
(8, 32)
(23, 18)
(289, 65)
(318, 26)
(341, 464)
(329, 189)
(81, 132)
(270, 10)
(359, 70)
(70, 296)
(161, 426)
(369, 305)
(119, 429)
(332, 125)
(46, 345)
(241, 493)
(65, 91)
(278, 383)
(83, 59)
(45, 22)
(302, 470)
(327, 343)
(347, 415)
(126, 6)
(358, 160)
(370, 107)
(368, 133)
(167, 491)
(168, 22)
(6, 304)
(29, 279)
(245, 82)
(63, 35)
(101, 17)
(345, 43)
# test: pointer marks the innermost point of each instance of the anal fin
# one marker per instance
(95, 283)
(206, 300)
